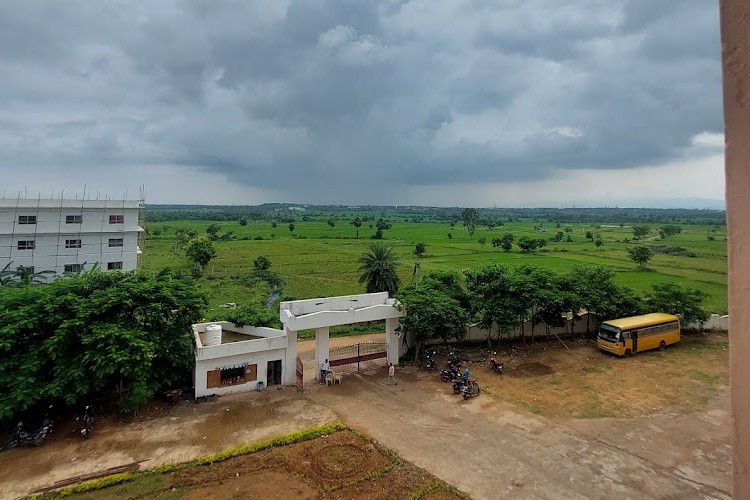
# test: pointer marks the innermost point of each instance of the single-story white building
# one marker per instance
(231, 359)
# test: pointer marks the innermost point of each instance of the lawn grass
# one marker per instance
(316, 260)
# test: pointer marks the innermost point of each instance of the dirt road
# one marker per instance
(492, 450)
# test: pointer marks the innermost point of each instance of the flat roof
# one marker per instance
(52, 203)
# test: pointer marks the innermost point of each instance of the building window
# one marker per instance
(112, 266)
(26, 269)
(72, 243)
(116, 219)
(73, 268)
(73, 219)
(115, 242)
(27, 219)
(26, 244)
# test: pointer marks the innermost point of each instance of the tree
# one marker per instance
(243, 221)
(675, 299)
(419, 250)
(430, 314)
(200, 250)
(640, 232)
(507, 242)
(378, 270)
(250, 315)
(83, 337)
(213, 231)
(291, 227)
(357, 223)
(450, 236)
(381, 224)
(640, 255)
(496, 242)
(470, 217)
(589, 235)
(261, 263)
(530, 288)
(598, 241)
(491, 302)
(331, 222)
(558, 237)
(482, 241)
(528, 245)
(669, 230)
(274, 225)
(156, 232)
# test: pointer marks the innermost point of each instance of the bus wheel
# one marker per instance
(662, 345)
(627, 353)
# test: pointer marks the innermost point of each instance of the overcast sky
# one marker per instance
(468, 103)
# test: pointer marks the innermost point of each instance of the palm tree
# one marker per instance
(378, 270)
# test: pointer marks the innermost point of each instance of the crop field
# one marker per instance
(318, 260)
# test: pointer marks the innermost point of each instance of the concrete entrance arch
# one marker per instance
(324, 313)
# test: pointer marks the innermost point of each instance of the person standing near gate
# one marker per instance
(325, 367)
(392, 374)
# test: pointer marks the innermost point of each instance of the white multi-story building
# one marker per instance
(69, 235)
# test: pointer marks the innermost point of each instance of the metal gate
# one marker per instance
(357, 357)
(300, 383)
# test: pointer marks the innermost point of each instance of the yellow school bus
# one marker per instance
(626, 336)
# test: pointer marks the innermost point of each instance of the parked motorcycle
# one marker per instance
(496, 365)
(85, 422)
(454, 359)
(430, 362)
(22, 437)
(448, 374)
(458, 383)
(470, 388)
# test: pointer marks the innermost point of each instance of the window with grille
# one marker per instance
(73, 219)
(115, 242)
(26, 244)
(111, 266)
(72, 243)
(73, 268)
(27, 219)
(116, 219)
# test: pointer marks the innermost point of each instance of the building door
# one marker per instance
(273, 373)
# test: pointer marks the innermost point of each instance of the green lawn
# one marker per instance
(320, 261)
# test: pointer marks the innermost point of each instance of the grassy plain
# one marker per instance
(316, 260)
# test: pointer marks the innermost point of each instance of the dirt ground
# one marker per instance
(341, 465)
(559, 424)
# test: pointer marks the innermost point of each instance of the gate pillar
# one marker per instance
(392, 340)
(321, 348)
(288, 372)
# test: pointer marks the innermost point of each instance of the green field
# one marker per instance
(317, 260)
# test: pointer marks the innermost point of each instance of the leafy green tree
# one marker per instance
(470, 217)
(381, 225)
(491, 299)
(558, 237)
(450, 236)
(531, 288)
(675, 299)
(274, 225)
(430, 314)
(419, 250)
(357, 223)
(243, 221)
(156, 232)
(598, 241)
(378, 270)
(213, 231)
(291, 227)
(640, 232)
(528, 245)
(507, 242)
(262, 263)
(593, 288)
(200, 250)
(249, 315)
(331, 222)
(640, 255)
(85, 336)
(496, 242)
(589, 235)
(669, 230)
(482, 241)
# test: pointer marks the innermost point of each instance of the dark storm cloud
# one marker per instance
(322, 99)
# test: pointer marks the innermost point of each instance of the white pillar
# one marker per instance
(321, 348)
(289, 370)
(392, 340)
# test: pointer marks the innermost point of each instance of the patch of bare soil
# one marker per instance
(530, 370)
(342, 465)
